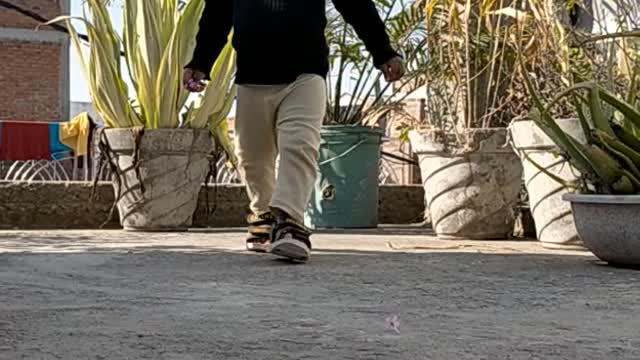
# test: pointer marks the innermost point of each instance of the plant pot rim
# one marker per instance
(527, 119)
(480, 140)
(602, 199)
(468, 130)
(527, 135)
(149, 129)
(351, 128)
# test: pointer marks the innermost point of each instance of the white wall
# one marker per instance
(78, 107)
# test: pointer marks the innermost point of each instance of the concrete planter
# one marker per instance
(608, 226)
(162, 194)
(552, 216)
(471, 193)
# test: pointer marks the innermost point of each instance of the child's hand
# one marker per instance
(393, 69)
(193, 80)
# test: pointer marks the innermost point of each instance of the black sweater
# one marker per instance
(278, 40)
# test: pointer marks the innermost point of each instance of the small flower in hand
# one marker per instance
(193, 80)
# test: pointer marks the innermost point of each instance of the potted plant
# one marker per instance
(159, 143)
(472, 180)
(549, 42)
(346, 192)
(606, 204)
(561, 59)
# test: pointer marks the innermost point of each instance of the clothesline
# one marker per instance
(36, 140)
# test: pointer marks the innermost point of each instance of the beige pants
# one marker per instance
(282, 120)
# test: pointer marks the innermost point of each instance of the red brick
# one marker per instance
(30, 81)
(30, 75)
(48, 9)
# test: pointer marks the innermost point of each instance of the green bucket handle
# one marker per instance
(347, 152)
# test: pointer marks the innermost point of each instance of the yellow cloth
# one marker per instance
(75, 134)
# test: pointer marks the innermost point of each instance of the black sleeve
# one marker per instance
(215, 25)
(364, 17)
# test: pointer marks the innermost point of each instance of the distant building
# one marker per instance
(78, 107)
(34, 70)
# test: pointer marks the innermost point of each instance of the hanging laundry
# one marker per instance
(75, 134)
(57, 149)
(24, 140)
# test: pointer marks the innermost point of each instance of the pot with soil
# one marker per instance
(471, 191)
(157, 175)
(555, 227)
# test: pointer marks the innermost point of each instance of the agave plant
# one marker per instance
(610, 160)
(157, 42)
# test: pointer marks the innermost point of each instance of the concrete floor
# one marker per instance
(388, 294)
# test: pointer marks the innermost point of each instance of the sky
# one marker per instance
(79, 87)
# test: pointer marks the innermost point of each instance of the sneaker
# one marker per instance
(289, 239)
(259, 244)
(260, 227)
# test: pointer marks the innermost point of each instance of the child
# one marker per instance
(282, 63)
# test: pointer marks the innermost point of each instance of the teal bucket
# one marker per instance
(345, 194)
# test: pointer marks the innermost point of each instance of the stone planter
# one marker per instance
(471, 193)
(608, 226)
(158, 175)
(552, 215)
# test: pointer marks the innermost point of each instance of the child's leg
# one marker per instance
(299, 119)
(256, 146)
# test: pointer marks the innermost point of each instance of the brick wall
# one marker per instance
(403, 172)
(48, 9)
(29, 81)
(33, 75)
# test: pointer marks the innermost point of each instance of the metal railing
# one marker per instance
(64, 167)
(71, 168)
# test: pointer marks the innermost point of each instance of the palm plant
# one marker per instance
(158, 39)
(474, 48)
(370, 99)
(470, 66)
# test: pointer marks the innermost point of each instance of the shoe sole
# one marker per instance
(290, 249)
(259, 248)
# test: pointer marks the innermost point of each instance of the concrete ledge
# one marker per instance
(58, 205)
(29, 35)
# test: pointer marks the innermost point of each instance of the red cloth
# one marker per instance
(23, 140)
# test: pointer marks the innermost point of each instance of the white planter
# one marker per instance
(172, 165)
(555, 227)
(470, 194)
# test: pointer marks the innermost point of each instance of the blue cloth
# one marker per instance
(56, 148)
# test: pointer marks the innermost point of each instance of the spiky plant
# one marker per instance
(371, 99)
(610, 118)
(157, 42)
